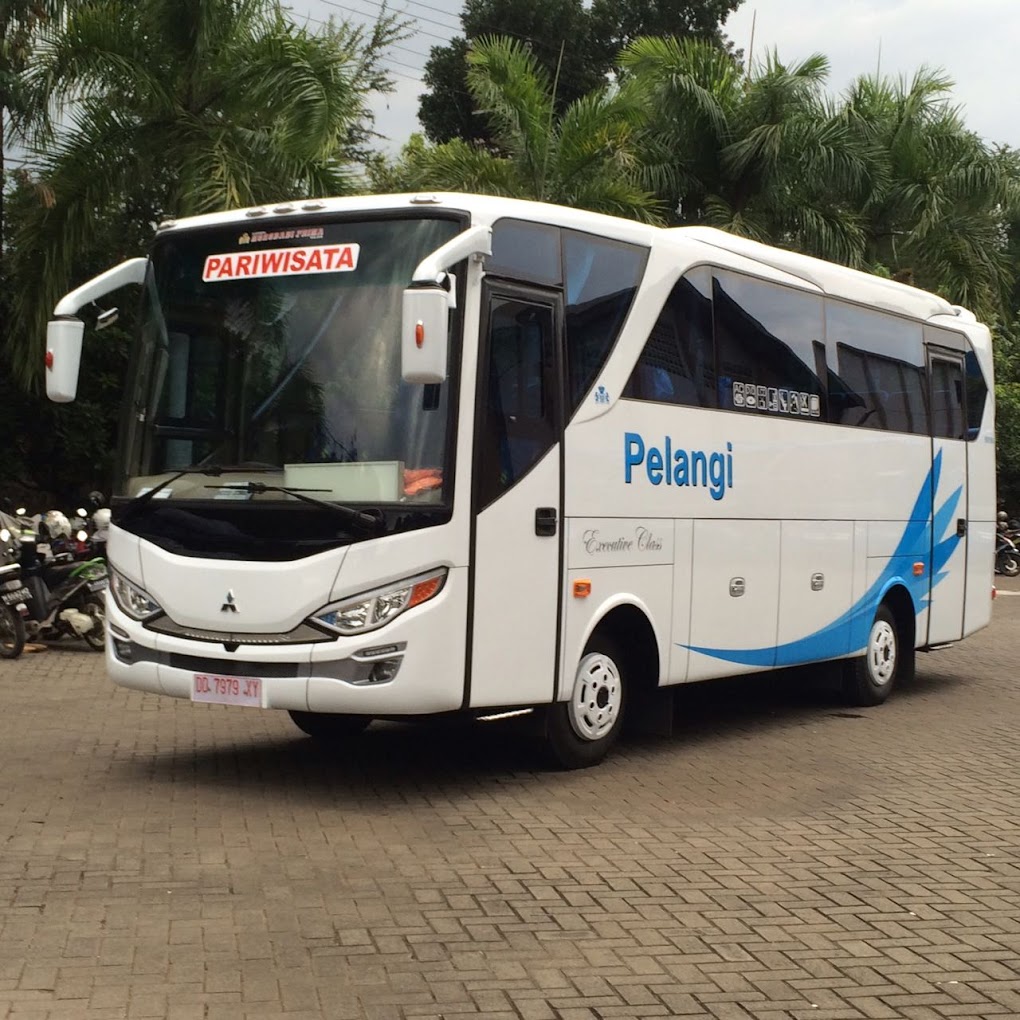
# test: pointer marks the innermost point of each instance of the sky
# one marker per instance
(973, 41)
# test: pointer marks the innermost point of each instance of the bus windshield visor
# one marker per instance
(276, 353)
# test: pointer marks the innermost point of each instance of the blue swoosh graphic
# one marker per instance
(849, 631)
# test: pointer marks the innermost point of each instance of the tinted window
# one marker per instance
(677, 365)
(600, 278)
(947, 403)
(879, 381)
(876, 392)
(977, 394)
(519, 417)
(764, 336)
(526, 251)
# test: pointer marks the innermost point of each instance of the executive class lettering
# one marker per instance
(678, 467)
(643, 541)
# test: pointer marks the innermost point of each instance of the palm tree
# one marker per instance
(177, 107)
(20, 22)
(941, 198)
(584, 157)
(763, 154)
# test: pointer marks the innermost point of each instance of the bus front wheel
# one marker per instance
(870, 678)
(581, 731)
(329, 728)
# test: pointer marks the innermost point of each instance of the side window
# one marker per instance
(526, 251)
(600, 280)
(764, 335)
(872, 390)
(977, 394)
(947, 401)
(519, 423)
(677, 365)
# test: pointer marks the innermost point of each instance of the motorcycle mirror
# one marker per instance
(82, 536)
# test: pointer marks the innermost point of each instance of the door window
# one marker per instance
(518, 418)
(948, 420)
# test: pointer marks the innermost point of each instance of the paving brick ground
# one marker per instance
(779, 857)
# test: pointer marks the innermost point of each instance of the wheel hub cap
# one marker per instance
(882, 653)
(597, 697)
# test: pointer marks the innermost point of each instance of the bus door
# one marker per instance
(517, 537)
(948, 573)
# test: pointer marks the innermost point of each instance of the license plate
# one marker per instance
(13, 598)
(99, 585)
(227, 690)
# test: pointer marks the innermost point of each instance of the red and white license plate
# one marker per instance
(227, 690)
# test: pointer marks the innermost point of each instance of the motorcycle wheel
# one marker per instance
(1008, 563)
(95, 638)
(12, 633)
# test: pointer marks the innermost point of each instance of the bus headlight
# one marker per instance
(139, 605)
(376, 608)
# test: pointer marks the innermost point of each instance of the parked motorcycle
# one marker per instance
(1007, 555)
(12, 604)
(65, 598)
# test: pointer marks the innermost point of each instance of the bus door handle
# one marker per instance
(546, 519)
(961, 527)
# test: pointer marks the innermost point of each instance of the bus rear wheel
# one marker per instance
(581, 731)
(329, 728)
(870, 678)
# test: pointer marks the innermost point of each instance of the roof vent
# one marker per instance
(425, 200)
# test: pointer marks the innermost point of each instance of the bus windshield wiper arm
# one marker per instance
(142, 498)
(212, 470)
(370, 522)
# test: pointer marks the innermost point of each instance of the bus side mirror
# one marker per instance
(63, 358)
(425, 334)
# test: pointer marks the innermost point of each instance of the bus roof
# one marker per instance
(830, 278)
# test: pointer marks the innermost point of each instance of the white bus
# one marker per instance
(398, 455)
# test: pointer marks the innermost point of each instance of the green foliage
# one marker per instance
(1007, 415)
(576, 45)
(582, 157)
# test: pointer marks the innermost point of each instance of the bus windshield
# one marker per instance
(277, 351)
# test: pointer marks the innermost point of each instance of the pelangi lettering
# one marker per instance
(251, 265)
(673, 465)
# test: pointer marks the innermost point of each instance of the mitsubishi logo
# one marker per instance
(229, 606)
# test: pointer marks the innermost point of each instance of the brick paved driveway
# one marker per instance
(780, 856)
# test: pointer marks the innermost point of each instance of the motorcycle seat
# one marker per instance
(54, 573)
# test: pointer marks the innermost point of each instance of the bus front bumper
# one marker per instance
(412, 666)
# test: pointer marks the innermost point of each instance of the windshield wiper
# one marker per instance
(211, 470)
(370, 522)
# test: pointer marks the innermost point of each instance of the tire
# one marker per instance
(581, 731)
(95, 638)
(12, 633)
(329, 728)
(1008, 563)
(870, 678)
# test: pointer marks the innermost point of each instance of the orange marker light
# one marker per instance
(419, 333)
(918, 569)
(424, 590)
(582, 589)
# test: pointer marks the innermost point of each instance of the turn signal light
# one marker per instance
(419, 333)
(424, 590)
(918, 570)
(582, 589)
(49, 359)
